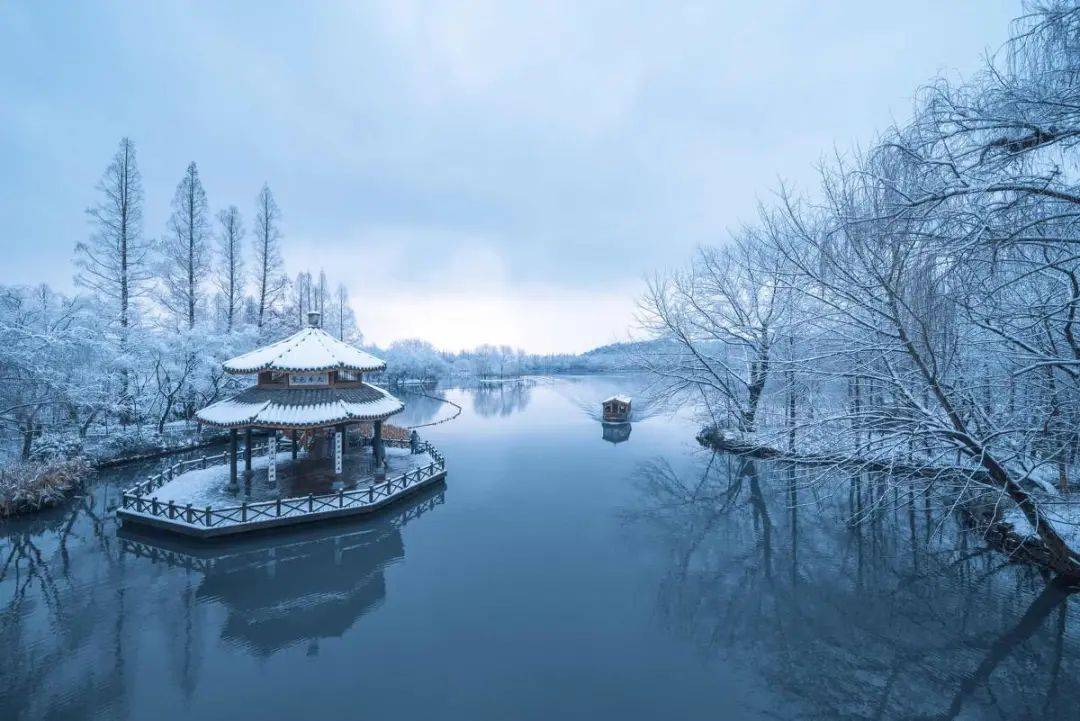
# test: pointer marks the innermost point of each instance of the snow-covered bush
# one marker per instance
(131, 442)
(33, 485)
(59, 446)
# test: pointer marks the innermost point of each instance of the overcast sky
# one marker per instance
(476, 172)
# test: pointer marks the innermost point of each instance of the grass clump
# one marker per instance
(33, 485)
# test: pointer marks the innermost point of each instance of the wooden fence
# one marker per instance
(135, 501)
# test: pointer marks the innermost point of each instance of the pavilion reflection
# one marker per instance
(900, 616)
(298, 587)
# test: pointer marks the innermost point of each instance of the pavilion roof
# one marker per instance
(301, 407)
(620, 399)
(311, 349)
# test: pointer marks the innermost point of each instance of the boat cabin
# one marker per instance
(616, 409)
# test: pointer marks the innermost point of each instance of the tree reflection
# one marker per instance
(79, 600)
(883, 610)
(44, 560)
(501, 399)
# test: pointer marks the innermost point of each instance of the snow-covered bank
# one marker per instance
(36, 485)
(989, 513)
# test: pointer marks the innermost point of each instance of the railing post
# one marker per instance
(171, 511)
(310, 502)
(207, 518)
(341, 499)
(371, 494)
(243, 512)
(279, 507)
(188, 517)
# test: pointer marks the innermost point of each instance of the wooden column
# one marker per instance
(247, 450)
(377, 444)
(271, 458)
(232, 456)
(339, 449)
(295, 441)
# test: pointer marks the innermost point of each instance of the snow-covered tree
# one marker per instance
(726, 314)
(341, 320)
(229, 277)
(937, 291)
(414, 359)
(185, 250)
(112, 264)
(270, 280)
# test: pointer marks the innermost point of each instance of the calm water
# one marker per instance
(555, 575)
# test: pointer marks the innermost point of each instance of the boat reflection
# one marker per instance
(616, 433)
(297, 587)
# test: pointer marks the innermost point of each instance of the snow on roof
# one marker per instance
(620, 399)
(297, 407)
(311, 349)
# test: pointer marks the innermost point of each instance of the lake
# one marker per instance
(555, 575)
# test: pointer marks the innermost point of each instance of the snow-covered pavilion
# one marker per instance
(307, 383)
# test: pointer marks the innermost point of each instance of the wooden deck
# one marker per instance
(138, 507)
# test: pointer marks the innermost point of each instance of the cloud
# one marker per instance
(523, 162)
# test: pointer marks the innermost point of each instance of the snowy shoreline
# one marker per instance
(1007, 532)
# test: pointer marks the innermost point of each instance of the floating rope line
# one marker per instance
(444, 420)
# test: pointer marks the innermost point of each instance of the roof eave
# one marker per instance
(302, 426)
(252, 370)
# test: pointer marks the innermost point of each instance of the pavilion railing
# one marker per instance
(170, 472)
(135, 499)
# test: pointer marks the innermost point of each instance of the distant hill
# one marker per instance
(631, 348)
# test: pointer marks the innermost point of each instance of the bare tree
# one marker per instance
(185, 251)
(344, 319)
(321, 292)
(270, 281)
(230, 278)
(112, 263)
(302, 298)
(725, 315)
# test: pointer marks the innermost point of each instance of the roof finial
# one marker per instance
(313, 318)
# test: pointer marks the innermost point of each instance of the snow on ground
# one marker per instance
(210, 486)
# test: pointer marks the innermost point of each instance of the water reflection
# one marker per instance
(901, 616)
(300, 587)
(501, 399)
(616, 432)
(421, 407)
(90, 611)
